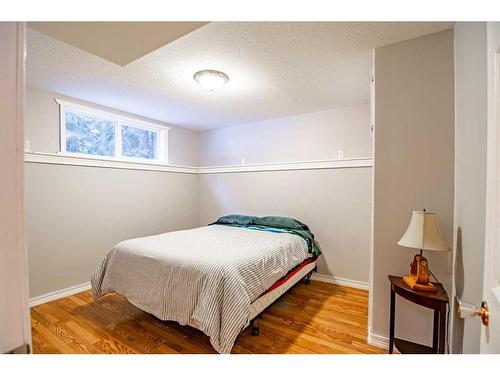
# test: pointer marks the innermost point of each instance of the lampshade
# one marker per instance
(423, 233)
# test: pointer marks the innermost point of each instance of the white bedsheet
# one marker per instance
(208, 275)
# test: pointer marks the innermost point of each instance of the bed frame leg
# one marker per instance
(255, 327)
(307, 278)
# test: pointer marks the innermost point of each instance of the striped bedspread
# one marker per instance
(206, 277)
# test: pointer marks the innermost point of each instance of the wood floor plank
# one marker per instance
(60, 334)
(308, 319)
(49, 339)
(42, 343)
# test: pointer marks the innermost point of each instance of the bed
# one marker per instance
(216, 278)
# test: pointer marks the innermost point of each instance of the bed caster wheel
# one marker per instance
(255, 331)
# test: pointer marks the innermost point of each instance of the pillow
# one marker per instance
(280, 222)
(236, 219)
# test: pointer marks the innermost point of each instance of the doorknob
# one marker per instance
(466, 310)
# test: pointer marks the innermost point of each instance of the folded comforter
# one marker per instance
(207, 277)
(273, 224)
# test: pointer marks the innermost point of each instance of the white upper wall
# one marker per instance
(311, 136)
(42, 127)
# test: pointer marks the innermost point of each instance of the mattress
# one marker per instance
(207, 276)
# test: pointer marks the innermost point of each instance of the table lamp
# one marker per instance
(423, 233)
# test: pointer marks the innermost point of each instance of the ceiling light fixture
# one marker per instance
(211, 80)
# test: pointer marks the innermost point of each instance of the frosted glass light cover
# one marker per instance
(423, 233)
(211, 80)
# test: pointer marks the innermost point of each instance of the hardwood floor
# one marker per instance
(315, 318)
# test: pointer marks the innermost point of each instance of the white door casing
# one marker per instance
(15, 329)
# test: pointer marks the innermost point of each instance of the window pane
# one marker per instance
(91, 135)
(139, 143)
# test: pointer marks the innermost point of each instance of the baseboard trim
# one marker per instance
(66, 292)
(380, 341)
(341, 281)
(58, 294)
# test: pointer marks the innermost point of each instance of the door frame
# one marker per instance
(15, 281)
(21, 100)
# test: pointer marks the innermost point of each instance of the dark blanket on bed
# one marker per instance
(277, 224)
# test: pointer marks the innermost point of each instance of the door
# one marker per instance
(489, 312)
(490, 333)
(15, 333)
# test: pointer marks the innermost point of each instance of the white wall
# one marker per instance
(470, 177)
(42, 127)
(335, 203)
(311, 136)
(413, 169)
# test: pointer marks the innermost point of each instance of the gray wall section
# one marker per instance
(413, 168)
(470, 176)
(75, 215)
(311, 136)
(336, 204)
(42, 127)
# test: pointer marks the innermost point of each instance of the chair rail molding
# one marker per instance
(89, 161)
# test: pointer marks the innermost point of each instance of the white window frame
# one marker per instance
(118, 120)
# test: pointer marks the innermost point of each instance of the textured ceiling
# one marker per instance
(118, 42)
(275, 70)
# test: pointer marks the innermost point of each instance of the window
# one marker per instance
(91, 132)
(86, 134)
(139, 142)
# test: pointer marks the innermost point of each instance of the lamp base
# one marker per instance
(418, 286)
(419, 276)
